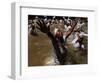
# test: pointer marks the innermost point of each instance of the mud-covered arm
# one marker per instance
(72, 28)
(43, 28)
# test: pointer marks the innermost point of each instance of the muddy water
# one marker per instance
(41, 53)
(39, 49)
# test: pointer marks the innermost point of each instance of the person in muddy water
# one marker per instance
(57, 39)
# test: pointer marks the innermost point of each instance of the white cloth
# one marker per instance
(68, 20)
(69, 27)
(80, 25)
(65, 26)
(64, 37)
(76, 44)
(55, 31)
(61, 21)
(82, 34)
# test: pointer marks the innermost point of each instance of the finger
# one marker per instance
(38, 22)
(38, 27)
(42, 24)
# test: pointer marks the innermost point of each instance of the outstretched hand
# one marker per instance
(42, 26)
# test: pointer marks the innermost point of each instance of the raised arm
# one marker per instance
(40, 24)
(72, 28)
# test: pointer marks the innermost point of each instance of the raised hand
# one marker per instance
(42, 26)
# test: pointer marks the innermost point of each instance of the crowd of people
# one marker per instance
(58, 30)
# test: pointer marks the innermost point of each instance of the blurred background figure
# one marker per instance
(78, 41)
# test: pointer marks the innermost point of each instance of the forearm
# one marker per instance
(71, 30)
(50, 35)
